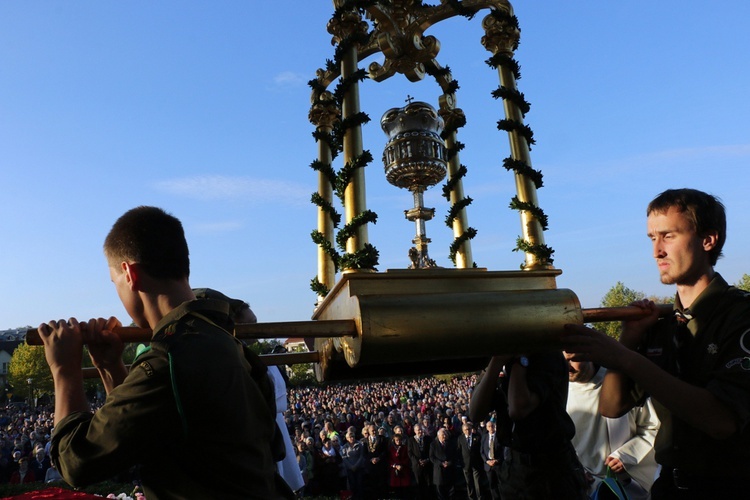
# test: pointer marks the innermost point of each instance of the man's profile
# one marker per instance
(694, 364)
(195, 411)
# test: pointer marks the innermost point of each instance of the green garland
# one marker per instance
(353, 5)
(522, 168)
(450, 153)
(366, 258)
(451, 183)
(347, 172)
(469, 234)
(317, 87)
(344, 84)
(350, 229)
(521, 128)
(458, 7)
(318, 287)
(541, 252)
(320, 240)
(513, 96)
(507, 62)
(326, 168)
(537, 212)
(455, 208)
(318, 200)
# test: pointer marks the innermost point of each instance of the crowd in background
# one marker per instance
(24, 444)
(361, 438)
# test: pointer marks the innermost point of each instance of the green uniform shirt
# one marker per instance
(192, 413)
(714, 353)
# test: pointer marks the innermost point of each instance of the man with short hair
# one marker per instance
(469, 443)
(353, 457)
(421, 466)
(194, 392)
(694, 363)
(443, 456)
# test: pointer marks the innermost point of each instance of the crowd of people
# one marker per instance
(24, 445)
(373, 439)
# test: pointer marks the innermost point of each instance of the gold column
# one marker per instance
(354, 196)
(323, 114)
(501, 38)
(451, 115)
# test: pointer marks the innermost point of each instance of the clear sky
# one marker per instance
(201, 108)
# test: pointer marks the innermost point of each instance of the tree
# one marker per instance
(617, 296)
(28, 371)
(301, 373)
(262, 346)
(744, 282)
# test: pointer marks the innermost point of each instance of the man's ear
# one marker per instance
(710, 240)
(132, 275)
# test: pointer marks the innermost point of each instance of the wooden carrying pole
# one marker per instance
(285, 329)
(328, 329)
(342, 327)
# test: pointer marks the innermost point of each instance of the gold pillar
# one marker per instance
(501, 38)
(451, 114)
(354, 196)
(323, 114)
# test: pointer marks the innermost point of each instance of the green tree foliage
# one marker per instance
(301, 373)
(264, 346)
(621, 296)
(617, 296)
(29, 364)
(744, 282)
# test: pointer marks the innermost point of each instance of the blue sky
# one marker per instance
(201, 108)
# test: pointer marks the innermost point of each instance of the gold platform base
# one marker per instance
(427, 321)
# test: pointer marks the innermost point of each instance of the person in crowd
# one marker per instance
(376, 463)
(389, 423)
(399, 466)
(353, 456)
(40, 463)
(469, 444)
(443, 456)
(52, 475)
(693, 364)
(311, 457)
(419, 454)
(625, 445)
(24, 474)
(491, 452)
(301, 457)
(529, 400)
(165, 411)
(327, 471)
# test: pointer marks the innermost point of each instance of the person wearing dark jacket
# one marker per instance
(444, 458)
(195, 391)
(469, 444)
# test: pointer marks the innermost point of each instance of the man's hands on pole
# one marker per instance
(63, 350)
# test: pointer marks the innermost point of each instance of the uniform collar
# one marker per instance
(703, 305)
(216, 309)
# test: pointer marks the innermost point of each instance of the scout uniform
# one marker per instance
(196, 412)
(707, 346)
